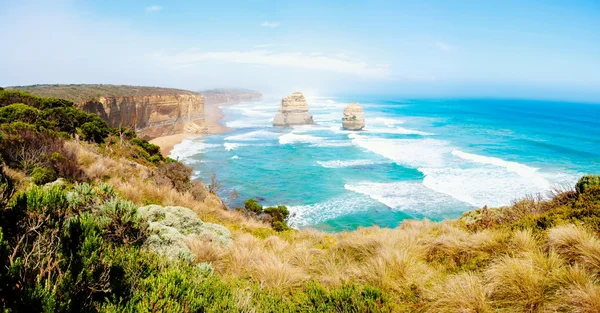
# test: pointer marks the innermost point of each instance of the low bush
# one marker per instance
(177, 173)
(41, 175)
(586, 182)
(252, 206)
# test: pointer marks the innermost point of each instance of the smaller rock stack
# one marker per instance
(354, 117)
(293, 111)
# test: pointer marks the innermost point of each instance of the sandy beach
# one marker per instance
(212, 125)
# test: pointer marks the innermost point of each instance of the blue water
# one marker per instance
(415, 159)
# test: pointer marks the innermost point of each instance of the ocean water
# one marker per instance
(415, 159)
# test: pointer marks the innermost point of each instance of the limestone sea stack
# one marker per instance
(354, 117)
(293, 111)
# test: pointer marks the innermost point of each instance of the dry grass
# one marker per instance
(465, 292)
(423, 265)
(576, 245)
(526, 283)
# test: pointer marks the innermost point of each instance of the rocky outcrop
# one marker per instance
(354, 117)
(230, 96)
(153, 115)
(293, 111)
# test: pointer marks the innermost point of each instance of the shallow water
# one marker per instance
(415, 159)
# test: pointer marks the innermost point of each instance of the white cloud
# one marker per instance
(444, 46)
(321, 62)
(270, 24)
(153, 8)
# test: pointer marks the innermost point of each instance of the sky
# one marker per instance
(501, 49)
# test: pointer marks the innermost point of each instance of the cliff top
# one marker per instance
(83, 92)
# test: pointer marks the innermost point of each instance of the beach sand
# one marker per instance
(212, 125)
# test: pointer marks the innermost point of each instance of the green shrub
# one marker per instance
(154, 159)
(48, 103)
(95, 130)
(279, 213)
(586, 182)
(252, 205)
(41, 175)
(280, 226)
(19, 112)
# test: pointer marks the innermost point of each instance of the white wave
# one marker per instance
(473, 179)
(521, 169)
(196, 175)
(189, 148)
(341, 164)
(409, 152)
(481, 186)
(292, 138)
(235, 157)
(253, 136)
(254, 112)
(249, 123)
(332, 143)
(389, 122)
(397, 130)
(407, 196)
(229, 146)
(311, 214)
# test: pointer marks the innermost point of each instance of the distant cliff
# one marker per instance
(151, 111)
(230, 96)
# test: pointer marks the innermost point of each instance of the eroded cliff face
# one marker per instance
(152, 115)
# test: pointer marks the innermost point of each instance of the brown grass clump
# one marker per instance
(465, 292)
(527, 283)
(580, 293)
(576, 245)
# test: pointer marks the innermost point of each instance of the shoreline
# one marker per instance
(213, 116)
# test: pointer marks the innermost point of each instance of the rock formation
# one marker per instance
(151, 111)
(354, 117)
(293, 111)
(151, 116)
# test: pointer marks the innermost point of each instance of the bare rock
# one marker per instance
(354, 117)
(293, 111)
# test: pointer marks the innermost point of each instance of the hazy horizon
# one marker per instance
(535, 50)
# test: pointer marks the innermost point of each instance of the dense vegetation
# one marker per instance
(79, 93)
(93, 219)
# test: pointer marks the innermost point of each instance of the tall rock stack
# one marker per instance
(293, 111)
(354, 117)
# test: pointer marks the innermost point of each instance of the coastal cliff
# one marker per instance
(151, 111)
(151, 116)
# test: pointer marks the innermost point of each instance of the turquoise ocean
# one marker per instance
(415, 159)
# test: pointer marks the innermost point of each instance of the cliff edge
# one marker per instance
(151, 111)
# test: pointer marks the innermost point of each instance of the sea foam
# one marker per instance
(348, 163)
(190, 147)
(407, 196)
(253, 136)
(292, 138)
(311, 214)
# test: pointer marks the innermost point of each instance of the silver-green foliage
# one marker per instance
(172, 228)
